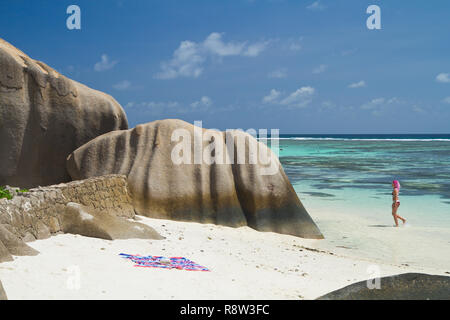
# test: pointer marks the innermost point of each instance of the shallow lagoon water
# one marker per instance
(345, 184)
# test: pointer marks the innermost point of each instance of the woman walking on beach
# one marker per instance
(396, 202)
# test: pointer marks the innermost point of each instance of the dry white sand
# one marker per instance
(244, 264)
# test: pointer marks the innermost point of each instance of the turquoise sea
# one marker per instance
(344, 181)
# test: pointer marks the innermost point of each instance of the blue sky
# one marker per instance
(299, 66)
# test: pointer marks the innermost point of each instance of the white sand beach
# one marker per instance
(244, 264)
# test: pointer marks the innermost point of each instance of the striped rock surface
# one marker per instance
(218, 189)
(44, 116)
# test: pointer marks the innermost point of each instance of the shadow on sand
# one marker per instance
(381, 226)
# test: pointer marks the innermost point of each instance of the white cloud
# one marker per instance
(320, 69)
(186, 62)
(349, 52)
(394, 100)
(443, 78)
(418, 109)
(381, 102)
(272, 96)
(123, 85)
(295, 44)
(373, 103)
(215, 45)
(203, 103)
(359, 84)
(328, 104)
(156, 107)
(316, 6)
(189, 58)
(299, 98)
(446, 100)
(159, 107)
(104, 64)
(279, 73)
(255, 49)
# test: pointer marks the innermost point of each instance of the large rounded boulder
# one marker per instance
(44, 116)
(182, 172)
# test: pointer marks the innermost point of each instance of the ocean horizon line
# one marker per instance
(366, 134)
(359, 137)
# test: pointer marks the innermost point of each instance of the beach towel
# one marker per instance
(163, 262)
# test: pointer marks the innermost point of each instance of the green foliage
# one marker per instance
(5, 193)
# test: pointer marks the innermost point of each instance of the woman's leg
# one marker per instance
(401, 218)
(394, 214)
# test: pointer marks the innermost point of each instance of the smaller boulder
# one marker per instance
(13, 244)
(79, 219)
(4, 254)
(42, 231)
(2, 293)
(407, 286)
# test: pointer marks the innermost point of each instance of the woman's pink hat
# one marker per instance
(396, 184)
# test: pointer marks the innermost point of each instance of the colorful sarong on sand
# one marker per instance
(163, 262)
